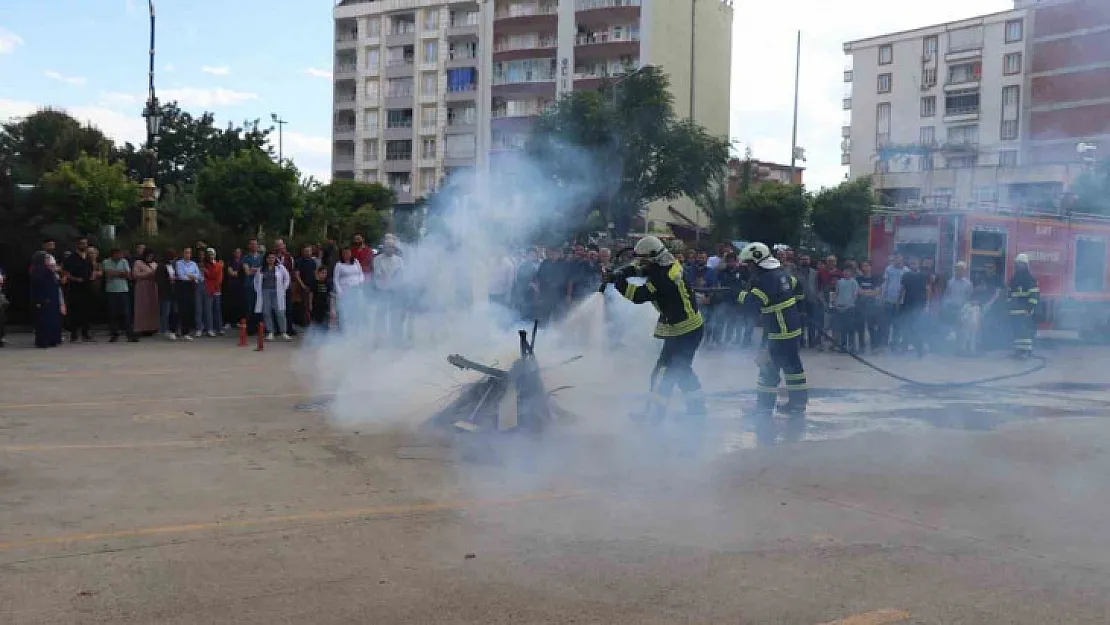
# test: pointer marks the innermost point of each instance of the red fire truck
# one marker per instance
(1067, 254)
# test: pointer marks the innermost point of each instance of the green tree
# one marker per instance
(771, 213)
(249, 192)
(626, 132)
(186, 142)
(88, 192)
(40, 142)
(840, 214)
(1091, 191)
(334, 205)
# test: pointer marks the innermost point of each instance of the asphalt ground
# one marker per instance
(204, 483)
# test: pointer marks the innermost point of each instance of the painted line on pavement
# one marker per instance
(878, 617)
(124, 402)
(329, 515)
(95, 446)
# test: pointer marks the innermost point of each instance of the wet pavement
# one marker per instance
(201, 483)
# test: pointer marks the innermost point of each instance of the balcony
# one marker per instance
(522, 18)
(345, 131)
(428, 126)
(463, 25)
(464, 126)
(604, 44)
(343, 162)
(847, 104)
(345, 101)
(462, 93)
(399, 164)
(599, 12)
(399, 68)
(403, 191)
(399, 130)
(401, 33)
(346, 40)
(512, 49)
(346, 70)
(462, 60)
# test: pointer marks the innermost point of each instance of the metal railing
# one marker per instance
(596, 38)
(506, 46)
(587, 5)
(399, 124)
(526, 10)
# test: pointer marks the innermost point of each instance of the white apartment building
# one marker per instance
(939, 115)
(426, 87)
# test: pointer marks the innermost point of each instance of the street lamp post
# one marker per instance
(153, 115)
(281, 136)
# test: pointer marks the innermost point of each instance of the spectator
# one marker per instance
(524, 295)
(270, 284)
(146, 308)
(117, 272)
(187, 280)
(387, 277)
(869, 317)
(304, 285)
(165, 277)
(252, 262)
(347, 278)
(212, 300)
(957, 295)
(811, 312)
(731, 279)
(363, 254)
(552, 286)
(320, 304)
(915, 285)
(3, 307)
(46, 297)
(845, 296)
(889, 331)
(233, 288)
(78, 274)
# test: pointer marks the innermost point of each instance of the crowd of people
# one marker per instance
(197, 292)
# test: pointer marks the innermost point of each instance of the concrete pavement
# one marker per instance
(173, 483)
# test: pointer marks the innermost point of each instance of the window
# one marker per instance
(929, 106)
(882, 124)
(462, 116)
(961, 102)
(431, 52)
(926, 162)
(428, 117)
(1009, 130)
(373, 27)
(427, 181)
(928, 77)
(373, 58)
(398, 150)
(1008, 158)
(965, 72)
(929, 48)
(1011, 63)
(403, 24)
(399, 88)
(965, 39)
(986, 194)
(963, 135)
(370, 176)
(429, 83)
(1090, 264)
(428, 148)
(462, 51)
(928, 135)
(847, 75)
(398, 118)
(460, 146)
(369, 149)
(1011, 111)
(373, 88)
(1014, 30)
(431, 19)
(884, 83)
(370, 120)
(886, 54)
(962, 162)
(401, 55)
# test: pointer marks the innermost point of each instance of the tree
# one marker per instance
(185, 143)
(336, 203)
(841, 214)
(248, 191)
(1091, 191)
(40, 142)
(623, 146)
(89, 192)
(771, 213)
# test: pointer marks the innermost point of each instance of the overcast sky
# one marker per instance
(244, 59)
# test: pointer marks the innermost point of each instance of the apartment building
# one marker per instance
(984, 111)
(427, 87)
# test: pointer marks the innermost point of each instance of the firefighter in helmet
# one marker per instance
(774, 293)
(1024, 296)
(680, 324)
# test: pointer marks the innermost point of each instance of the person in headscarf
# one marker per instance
(46, 297)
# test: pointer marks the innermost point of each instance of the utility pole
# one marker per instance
(794, 134)
(281, 137)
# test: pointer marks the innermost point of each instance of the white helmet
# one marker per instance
(759, 254)
(1022, 259)
(651, 249)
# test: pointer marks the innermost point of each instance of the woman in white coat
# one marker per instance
(270, 284)
(347, 278)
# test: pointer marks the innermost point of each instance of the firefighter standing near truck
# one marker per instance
(774, 293)
(680, 324)
(1024, 298)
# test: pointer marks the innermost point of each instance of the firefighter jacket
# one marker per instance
(775, 293)
(668, 291)
(1024, 293)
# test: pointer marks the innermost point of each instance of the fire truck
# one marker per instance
(1067, 254)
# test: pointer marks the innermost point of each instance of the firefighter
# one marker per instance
(774, 293)
(1024, 296)
(680, 325)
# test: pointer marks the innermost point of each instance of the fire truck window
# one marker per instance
(1090, 265)
(986, 241)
